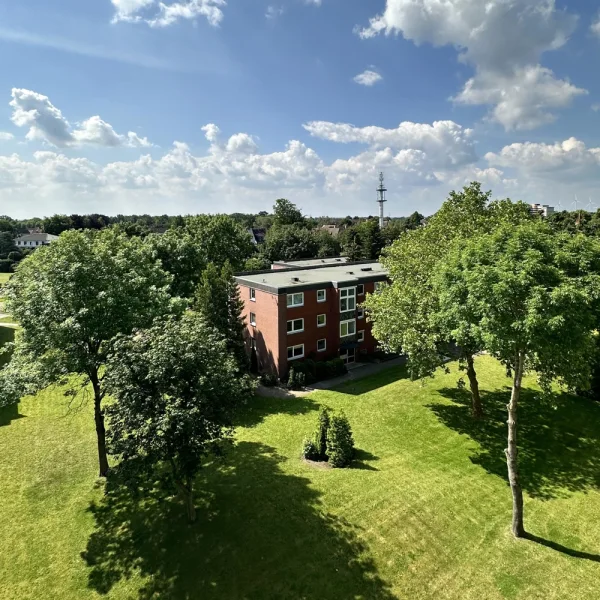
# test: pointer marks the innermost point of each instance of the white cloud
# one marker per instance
(595, 27)
(567, 160)
(273, 12)
(45, 122)
(522, 100)
(159, 14)
(368, 78)
(446, 143)
(5, 136)
(595, 107)
(502, 39)
(127, 10)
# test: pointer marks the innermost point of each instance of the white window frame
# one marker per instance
(361, 335)
(348, 295)
(324, 323)
(253, 294)
(360, 313)
(359, 287)
(293, 348)
(252, 321)
(293, 331)
(324, 349)
(324, 295)
(293, 304)
(347, 334)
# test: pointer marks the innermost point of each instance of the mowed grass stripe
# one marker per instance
(425, 513)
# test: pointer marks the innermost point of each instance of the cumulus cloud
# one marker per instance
(233, 171)
(159, 14)
(446, 143)
(5, 136)
(523, 99)
(503, 40)
(45, 122)
(368, 78)
(564, 160)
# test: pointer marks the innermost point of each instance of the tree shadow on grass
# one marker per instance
(362, 460)
(8, 414)
(370, 383)
(260, 407)
(259, 534)
(559, 440)
(562, 549)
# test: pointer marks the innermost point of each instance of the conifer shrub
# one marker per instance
(340, 443)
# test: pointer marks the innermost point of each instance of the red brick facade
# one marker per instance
(270, 334)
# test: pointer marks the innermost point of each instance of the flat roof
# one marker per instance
(289, 280)
(313, 262)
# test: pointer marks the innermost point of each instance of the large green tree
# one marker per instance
(186, 251)
(218, 300)
(71, 299)
(177, 389)
(405, 313)
(290, 242)
(287, 213)
(531, 297)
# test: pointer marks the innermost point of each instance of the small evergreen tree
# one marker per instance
(340, 443)
(218, 300)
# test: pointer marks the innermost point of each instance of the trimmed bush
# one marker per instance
(321, 433)
(269, 380)
(309, 450)
(6, 265)
(340, 443)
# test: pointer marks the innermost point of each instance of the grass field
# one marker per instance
(4, 277)
(423, 513)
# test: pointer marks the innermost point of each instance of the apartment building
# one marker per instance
(309, 312)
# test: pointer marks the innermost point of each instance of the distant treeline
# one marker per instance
(143, 224)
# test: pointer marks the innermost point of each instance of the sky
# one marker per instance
(192, 106)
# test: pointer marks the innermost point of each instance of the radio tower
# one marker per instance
(381, 190)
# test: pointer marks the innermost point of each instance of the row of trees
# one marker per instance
(485, 276)
(155, 324)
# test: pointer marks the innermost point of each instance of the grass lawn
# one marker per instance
(4, 277)
(423, 513)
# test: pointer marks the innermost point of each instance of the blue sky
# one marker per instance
(121, 106)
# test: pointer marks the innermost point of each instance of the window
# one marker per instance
(321, 320)
(379, 286)
(253, 294)
(360, 290)
(295, 326)
(321, 295)
(360, 313)
(361, 336)
(347, 299)
(347, 328)
(253, 319)
(295, 352)
(295, 299)
(321, 345)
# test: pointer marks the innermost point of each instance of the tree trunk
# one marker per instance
(472, 375)
(187, 494)
(100, 428)
(511, 452)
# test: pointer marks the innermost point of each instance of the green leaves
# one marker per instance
(177, 389)
(526, 290)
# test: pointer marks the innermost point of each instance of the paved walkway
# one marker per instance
(357, 371)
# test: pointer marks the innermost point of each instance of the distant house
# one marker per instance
(333, 230)
(33, 240)
(541, 209)
(257, 234)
